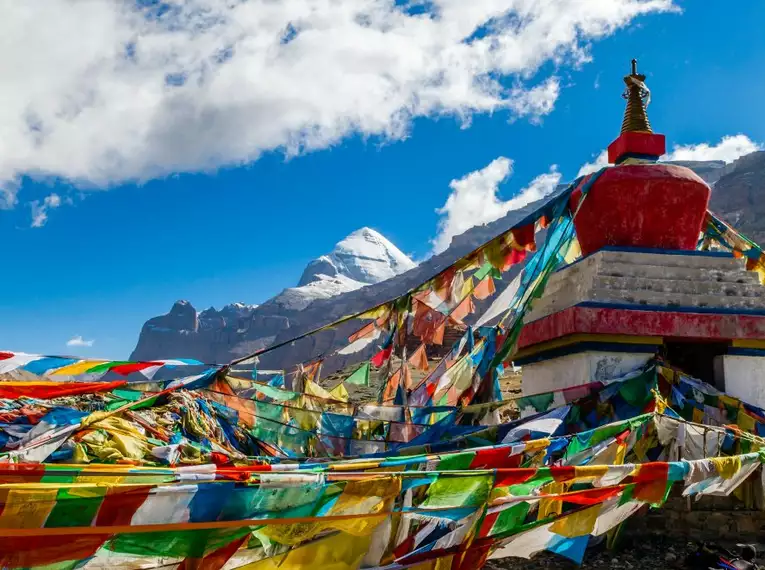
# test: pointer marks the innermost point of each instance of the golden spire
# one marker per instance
(637, 96)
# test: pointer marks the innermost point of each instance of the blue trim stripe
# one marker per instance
(665, 309)
(691, 252)
(737, 351)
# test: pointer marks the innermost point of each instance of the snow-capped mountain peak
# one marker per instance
(365, 256)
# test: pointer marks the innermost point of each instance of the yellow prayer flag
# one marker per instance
(313, 389)
(537, 445)
(589, 472)
(334, 552)
(339, 392)
(580, 523)
(745, 421)
(726, 467)
(77, 368)
(27, 508)
(376, 313)
(551, 507)
(621, 451)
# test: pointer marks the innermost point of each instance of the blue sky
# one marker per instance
(115, 252)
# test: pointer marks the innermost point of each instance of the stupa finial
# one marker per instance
(638, 96)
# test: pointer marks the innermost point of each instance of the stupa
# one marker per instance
(641, 286)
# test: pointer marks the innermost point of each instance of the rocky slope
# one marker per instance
(365, 269)
(738, 196)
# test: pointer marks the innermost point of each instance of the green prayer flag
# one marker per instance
(130, 395)
(360, 377)
(627, 494)
(74, 507)
(98, 368)
(510, 518)
(637, 391)
(194, 543)
(459, 491)
(540, 402)
(456, 461)
(275, 393)
(483, 271)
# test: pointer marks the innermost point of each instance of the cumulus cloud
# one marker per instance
(80, 342)
(728, 149)
(600, 161)
(99, 93)
(40, 209)
(474, 201)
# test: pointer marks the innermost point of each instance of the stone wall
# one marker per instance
(710, 518)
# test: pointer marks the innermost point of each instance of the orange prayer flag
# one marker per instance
(438, 334)
(485, 288)
(407, 379)
(428, 324)
(442, 284)
(419, 359)
(391, 386)
(362, 332)
(462, 310)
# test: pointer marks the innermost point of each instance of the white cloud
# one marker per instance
(99, 93)
(78, 341)
(600, 161)
(728, 149)
(474, 200)
(40, 210)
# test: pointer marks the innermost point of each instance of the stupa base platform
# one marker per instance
(612, 311)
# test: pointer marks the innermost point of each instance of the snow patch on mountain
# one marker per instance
(324, 287)
(363, 258)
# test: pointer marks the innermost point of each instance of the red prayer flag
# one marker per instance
(495, 458)
(515, 256)
(651, 482)
(120, 504)
(33, 551)
(563, 473)
(21, 473)
(49, 390)
(524, 237)
(382, 357)
(592, 496)
(126, 369)
(514, 476)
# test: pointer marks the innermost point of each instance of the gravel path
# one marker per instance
(638, 554)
